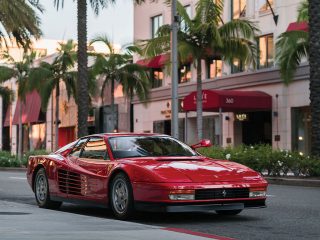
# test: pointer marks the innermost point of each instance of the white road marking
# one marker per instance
(19, 178)
(271, 195)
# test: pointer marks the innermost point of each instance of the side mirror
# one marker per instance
(202, 143)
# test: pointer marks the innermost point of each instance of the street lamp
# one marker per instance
(174, 70)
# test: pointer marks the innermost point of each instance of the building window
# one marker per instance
(237, 66)
(156, 77)
(214, 68)
(264, 5)
(184, 73)
(156, 23)
(183, 26)
(238, 8)
(266, 51)
(301, 130)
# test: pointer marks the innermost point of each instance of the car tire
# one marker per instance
(41, 191)
(121, 197)
(228, 212)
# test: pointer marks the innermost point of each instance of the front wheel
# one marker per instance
(228, 212)
(121, 197)
(41, 191)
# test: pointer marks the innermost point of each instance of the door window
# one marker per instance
(78, 147)
(95, 148)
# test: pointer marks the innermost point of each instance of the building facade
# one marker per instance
(285, 125)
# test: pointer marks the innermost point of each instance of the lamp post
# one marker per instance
(174, 70)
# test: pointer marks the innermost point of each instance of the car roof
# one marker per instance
(125, 134)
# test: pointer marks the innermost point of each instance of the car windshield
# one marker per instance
(148, 146)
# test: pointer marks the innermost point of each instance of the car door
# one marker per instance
(95, 164)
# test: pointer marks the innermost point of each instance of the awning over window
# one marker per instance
(156, 62)
(30, 109)
(228, 101)
(298, 26)
(6, 122)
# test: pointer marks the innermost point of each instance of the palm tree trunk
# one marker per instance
(83, 97)
(57, 117)
(112, 105)
(199, 100)
(20, 140)
(314, 26)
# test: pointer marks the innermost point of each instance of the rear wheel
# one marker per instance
(41, 191)
(228, 212)
(121, 197)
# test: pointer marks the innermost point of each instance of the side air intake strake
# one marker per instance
(72, 183)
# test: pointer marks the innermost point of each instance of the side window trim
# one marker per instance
(106, 155)
(71, 152)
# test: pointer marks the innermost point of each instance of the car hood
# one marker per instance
(199, 170)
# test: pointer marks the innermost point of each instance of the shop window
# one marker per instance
(214, 68)
(264, 5)
(238, 8)
(183, 26)
(156, 23)
(184, 73)
(301, 130)
(237, 66)
(266, 51)
(156, 77)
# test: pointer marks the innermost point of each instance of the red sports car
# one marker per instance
(148, 172)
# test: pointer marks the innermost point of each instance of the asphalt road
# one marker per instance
(292, 213)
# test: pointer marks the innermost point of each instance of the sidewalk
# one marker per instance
(28, 222)
(291, 181)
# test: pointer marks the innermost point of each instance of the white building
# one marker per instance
(285, 125)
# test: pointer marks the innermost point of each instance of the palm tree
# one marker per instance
(293, 46)
(118, 67)
(204, 35)
(46, 79)
(20, 71)
(19, 20)
(83, 95)
(314, 15)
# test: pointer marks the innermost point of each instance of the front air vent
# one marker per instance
(70, 182)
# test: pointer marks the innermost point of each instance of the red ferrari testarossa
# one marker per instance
(148, 172)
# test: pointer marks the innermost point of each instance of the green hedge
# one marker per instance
(8, 160)
(264, 159)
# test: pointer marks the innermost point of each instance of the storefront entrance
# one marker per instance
(256, 128)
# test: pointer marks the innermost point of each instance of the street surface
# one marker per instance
(292, 213)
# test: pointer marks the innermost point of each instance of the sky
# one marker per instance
(116, 21)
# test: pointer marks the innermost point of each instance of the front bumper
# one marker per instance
(199, 207)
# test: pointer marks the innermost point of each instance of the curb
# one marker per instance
(294, 181)
(13, 169)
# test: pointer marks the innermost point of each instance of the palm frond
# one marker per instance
(291, 48)
(6, 73)
(105, 40)
(303, 11)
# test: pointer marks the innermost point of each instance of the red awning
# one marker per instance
(228, 101)
(30, 109)
(298, 26)
(156, 62)
(7, 118)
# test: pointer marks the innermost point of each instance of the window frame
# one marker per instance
(154, 80)
(268, 65)
(240, 12)
(209, 61)
(156, 17)
(188, 67)
(72, 151)
(106, 155)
